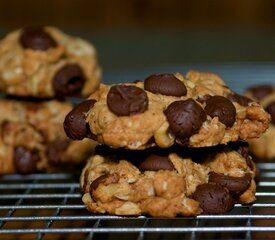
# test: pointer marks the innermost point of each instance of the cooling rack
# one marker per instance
(48, 206)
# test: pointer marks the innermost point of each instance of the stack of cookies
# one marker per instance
(263, 148)
(39, 68)
(169, 145)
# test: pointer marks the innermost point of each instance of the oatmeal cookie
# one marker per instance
(44, 62)
(264, 147)
(197, 110)
(32, 138)
(168, 182)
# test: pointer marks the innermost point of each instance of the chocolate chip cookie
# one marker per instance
(264, 147)
(197, 110)
(168, 182)
(44, 62)
(32, 138)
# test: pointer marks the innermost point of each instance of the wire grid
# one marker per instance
(48, 206)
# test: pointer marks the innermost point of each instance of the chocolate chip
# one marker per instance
(260, 91)
(221, 107)
(68, 81)
(55, 150)
(37, 39)
(155, 163)
(94, 185)
(243, 149)
(185, 117)
(166, 84)
(236, 185)
(213, 198)
(75, 124)
(25, 159)
(106, 178)
(242, 100)
(125, 100)
(271, 110)
(250, 163)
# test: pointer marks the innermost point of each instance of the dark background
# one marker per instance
(133, 35)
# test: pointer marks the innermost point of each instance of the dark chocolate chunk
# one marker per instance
(166, 84)
(185, 117)
(37, 39)
(260, 91)
(25, 159)
(236, 185)
(68, 81)
(213, 198)
(125, 100)
(270, 108)
(242, 100)
(154, 163)
(221, 107)
(55, 150)
(94, 185)
(106, 178)
(75, 124)
(251, 165)
(243, 149)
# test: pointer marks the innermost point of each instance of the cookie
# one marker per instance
(168, 182)
(32, 138)
(198, 110)
(44, 62)
(263, 148)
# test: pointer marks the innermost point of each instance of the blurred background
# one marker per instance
(141, 36)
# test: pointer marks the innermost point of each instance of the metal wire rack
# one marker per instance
(48, 206)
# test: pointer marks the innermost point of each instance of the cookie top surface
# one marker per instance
(197, 110)
(178, 180)
(45, 62)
